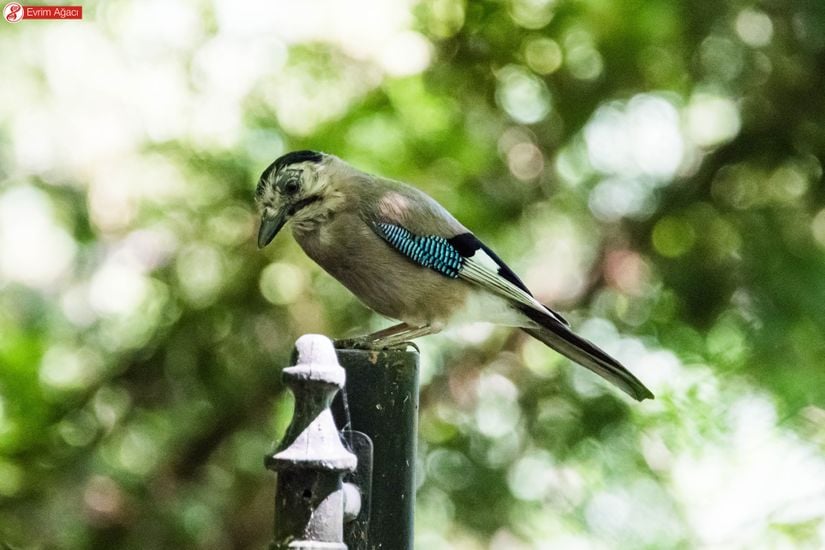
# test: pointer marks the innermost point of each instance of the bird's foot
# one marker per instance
(354, 343)
(396, 337)
(372, 345)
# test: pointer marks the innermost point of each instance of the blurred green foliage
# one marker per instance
(654, 169)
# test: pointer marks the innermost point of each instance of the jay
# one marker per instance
(407, 258)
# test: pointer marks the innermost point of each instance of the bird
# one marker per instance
(407, 258)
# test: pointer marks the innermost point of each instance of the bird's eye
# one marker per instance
(291, 187)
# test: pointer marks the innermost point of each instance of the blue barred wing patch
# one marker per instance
(428, 251)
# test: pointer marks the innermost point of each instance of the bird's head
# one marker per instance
(288, 188)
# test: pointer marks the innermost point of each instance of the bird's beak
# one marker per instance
(270, 227)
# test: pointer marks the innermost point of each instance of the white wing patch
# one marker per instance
(484, 260)
(481, 269)
(475, 270)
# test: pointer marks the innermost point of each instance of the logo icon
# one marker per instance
(13, 12)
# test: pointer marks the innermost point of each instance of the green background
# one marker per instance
(653, 169)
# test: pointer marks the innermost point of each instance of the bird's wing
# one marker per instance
(462, 256)
(465, 257)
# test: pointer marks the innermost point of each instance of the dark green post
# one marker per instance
(382, 395)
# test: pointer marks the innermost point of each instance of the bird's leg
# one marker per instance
(389, 331)
(396, 339)
(368, 341)
(390, 337)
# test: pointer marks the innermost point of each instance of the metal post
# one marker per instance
(382, 397)
(311, 460)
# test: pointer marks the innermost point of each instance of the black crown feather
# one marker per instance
(297, 156)
(293, 157)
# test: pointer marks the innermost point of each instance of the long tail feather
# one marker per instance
(586, 354)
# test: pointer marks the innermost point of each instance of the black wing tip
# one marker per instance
(543, 318)
(557, 316)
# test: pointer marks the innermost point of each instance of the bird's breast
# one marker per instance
(383, 279)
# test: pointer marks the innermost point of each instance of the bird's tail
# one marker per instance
(586, 354)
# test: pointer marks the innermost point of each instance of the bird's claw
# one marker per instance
(371, 345)
(354, 343)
